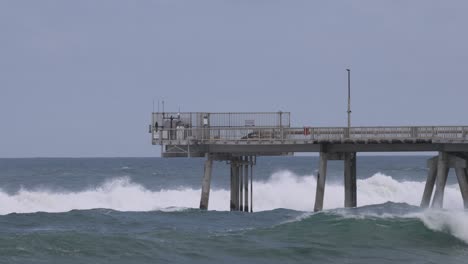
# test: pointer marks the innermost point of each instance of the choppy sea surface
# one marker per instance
(144, 210)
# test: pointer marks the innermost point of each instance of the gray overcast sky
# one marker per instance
(77, 78)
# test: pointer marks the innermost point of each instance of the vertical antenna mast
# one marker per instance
(349, 98)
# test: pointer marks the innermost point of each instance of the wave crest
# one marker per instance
(283, 189)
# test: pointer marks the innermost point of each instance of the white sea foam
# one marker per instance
(451, 221)
(282, 190)
(454, 222)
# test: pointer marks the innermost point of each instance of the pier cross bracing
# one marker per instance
(239, 138)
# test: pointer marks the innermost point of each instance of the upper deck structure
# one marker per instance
(240, 137)
(195, 134)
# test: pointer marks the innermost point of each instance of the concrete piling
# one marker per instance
(205, 195)
(320, 192)
(241, 186)
(237, 195)
(251, 183)
(246, 184)
(438, 172)
(463, 182)
(441, 180)
(431, 178)
(233, 204)
(240, 180)
(350, 180)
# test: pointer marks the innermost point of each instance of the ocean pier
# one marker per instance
(237, 138)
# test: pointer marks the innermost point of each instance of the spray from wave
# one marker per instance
(449, 221)
(282, 190)
(454, 222)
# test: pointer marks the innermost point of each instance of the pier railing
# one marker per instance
(207, 135)
(172, 120)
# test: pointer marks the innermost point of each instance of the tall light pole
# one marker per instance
(349, 98)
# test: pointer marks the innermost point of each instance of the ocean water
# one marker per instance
(144, 210)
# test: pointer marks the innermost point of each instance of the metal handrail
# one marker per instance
(220, 119)
(264, 133)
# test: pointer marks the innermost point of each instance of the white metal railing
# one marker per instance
(255, 133)
(172, 120)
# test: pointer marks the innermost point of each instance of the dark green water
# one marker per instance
(144, 211)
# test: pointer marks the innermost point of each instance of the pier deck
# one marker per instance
(188, 138)
(240, 137)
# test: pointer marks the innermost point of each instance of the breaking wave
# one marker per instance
(282, 190)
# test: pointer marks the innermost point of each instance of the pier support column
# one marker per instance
(241, 184)
(246, 184)
(463, 182)
(240, 180)
(205, 195)
(431, 178)
(234, 184)
(320, 192)
(438, 172)
(442, 173)
(251, 161)
(237, 183)
(350, 180)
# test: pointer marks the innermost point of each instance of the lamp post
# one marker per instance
(349, 98)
